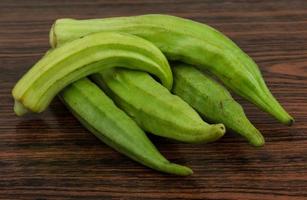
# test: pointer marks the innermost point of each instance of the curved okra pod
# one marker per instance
(190, 42)
(154, 108)
(213, 101)
(82, 57)
(97, 112)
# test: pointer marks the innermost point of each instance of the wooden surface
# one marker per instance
(50, 156)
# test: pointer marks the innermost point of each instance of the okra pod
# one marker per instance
(154, 108)
(82, 57)
(97, 112)
(190, 42)
(213, 101)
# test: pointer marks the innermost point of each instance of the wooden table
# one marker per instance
(51, 156)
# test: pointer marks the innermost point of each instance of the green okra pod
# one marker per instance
(154, 108)
(97, 112)
(213, 101)
(190, 42)
(82, 57)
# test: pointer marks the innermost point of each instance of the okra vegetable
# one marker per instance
(97, 112)
(213, 101)
(190, 42)
(154, 108)
(82, 57)
(141, 44)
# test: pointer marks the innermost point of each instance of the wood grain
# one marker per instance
(50, 156)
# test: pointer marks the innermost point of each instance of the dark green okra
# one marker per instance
(82, 57)
(154, 108)
(213, 101)
(190, 42)
(97, 112)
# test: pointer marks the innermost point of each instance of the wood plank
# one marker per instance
(51, 156)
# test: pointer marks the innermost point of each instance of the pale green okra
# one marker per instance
(154, 108)
(97, 112)
(213, 101)
(82, 57)
(190, 42)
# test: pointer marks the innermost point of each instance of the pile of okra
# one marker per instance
(159, 74)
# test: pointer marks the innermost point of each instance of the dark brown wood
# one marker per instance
(50, 156)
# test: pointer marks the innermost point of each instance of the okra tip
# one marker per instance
(278, 112)
(52, 36)
(290, 121)
(19, 109)
(176, 169)
(218, 131)
(286, 119)
(256, 139)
